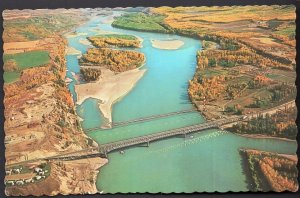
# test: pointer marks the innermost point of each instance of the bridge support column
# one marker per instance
(105, 154)
(184, 135)
(148, 144)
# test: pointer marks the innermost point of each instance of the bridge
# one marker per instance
(104, 149)
(143, 119)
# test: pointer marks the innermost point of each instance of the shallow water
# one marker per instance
(209, 161)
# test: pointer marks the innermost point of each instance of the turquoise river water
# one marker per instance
(209, 161)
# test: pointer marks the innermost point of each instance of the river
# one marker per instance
(208, 161)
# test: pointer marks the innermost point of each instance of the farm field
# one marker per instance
(23, 61)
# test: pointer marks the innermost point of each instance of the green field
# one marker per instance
(141, 21)
(10, 77)
(24, 60)
(208, 73)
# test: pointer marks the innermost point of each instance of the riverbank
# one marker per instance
(41, 121)
(167, 44)
(261, 136)
(108, 89)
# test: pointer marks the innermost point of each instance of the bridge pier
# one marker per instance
(148, 143)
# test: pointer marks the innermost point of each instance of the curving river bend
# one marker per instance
(209, 161)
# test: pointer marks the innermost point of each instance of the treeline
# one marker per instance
(231, 58)
(281, 124)
(115, 40)
(115, 60)
(269, 171)
(206, 89)
(90, 74)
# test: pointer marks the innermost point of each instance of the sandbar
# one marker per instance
(68, 80)
(72, 51)
(73, 35)
(99, 31)
(85, 41)
(167, 44)
(108, 89)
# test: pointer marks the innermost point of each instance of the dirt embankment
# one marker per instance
(41, 122)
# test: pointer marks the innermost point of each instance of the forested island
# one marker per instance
(104, 56)
(109, 73)
(115, 60)
(115, 40)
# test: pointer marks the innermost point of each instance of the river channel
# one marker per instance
(205, 161)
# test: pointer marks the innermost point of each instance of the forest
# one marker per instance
(114, 40)
(115, 60)
(280, 124)
(90, 74)
(270, 171)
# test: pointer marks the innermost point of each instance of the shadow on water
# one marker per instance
(263, 184)
(247, 172)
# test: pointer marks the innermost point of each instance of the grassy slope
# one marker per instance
(24, 60)
(141, 22)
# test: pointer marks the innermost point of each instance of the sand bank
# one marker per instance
(73, 35)
(68, 80)
(85, 41)
(108, 89)
(108, 20)
(99, 31)
(72, 51)
(167, 44)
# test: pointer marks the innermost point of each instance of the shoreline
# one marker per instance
(261, 136)
(97, 166)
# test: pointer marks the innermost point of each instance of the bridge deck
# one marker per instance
(144, 119)
(106, 148)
